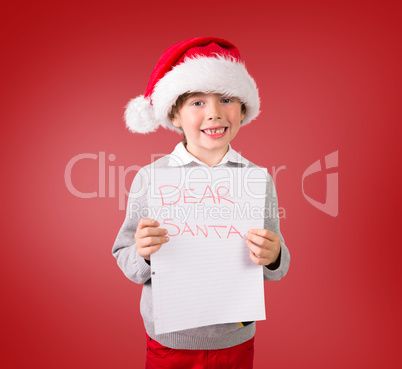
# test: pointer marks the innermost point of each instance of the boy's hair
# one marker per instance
(176, 107)
(179, 103)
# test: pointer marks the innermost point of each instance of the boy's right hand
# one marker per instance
(149, 238)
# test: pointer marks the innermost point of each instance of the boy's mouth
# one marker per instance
(215, 132)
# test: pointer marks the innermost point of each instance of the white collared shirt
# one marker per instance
(180, 156)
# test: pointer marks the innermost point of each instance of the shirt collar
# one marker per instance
(180, 156)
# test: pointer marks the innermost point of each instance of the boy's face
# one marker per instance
(210, 122)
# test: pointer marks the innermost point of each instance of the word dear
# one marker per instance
(208, 194)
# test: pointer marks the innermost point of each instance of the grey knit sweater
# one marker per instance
(138, 270)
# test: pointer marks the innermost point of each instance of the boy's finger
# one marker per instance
(152, 231)
(257, 260)
(147, 251)
(154, 248)
(147, 222)
(266, 233)
(258, 240)
(151, 241)
(257, 250)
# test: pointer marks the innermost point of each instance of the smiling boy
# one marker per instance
(200, 87)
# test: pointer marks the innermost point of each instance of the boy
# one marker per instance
(201, 88)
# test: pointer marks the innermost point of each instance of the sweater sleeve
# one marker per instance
(277, 270)
(124, 250)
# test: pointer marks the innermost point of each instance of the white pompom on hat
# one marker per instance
(203, 64)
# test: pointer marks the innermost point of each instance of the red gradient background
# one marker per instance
(329, 75)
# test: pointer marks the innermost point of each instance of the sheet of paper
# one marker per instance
(204, 274)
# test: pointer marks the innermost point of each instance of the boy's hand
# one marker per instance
(264, 246)
(149, 238)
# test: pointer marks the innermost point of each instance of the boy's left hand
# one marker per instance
(264, 246)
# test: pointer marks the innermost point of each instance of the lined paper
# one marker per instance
(204, 274)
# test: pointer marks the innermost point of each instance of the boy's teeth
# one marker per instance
(214, 131)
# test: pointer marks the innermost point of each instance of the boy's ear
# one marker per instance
(175, 122)
(243, 114)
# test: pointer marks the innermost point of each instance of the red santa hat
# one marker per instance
(202, 64)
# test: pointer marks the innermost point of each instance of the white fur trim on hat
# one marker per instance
(139, 115)
(221, 75)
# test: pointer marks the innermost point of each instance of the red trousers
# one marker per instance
(236, 357)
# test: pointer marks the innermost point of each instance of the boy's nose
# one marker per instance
(214, 116)
(214, 112)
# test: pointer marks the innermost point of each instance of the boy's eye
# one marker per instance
(226, 101)
(197, 103)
